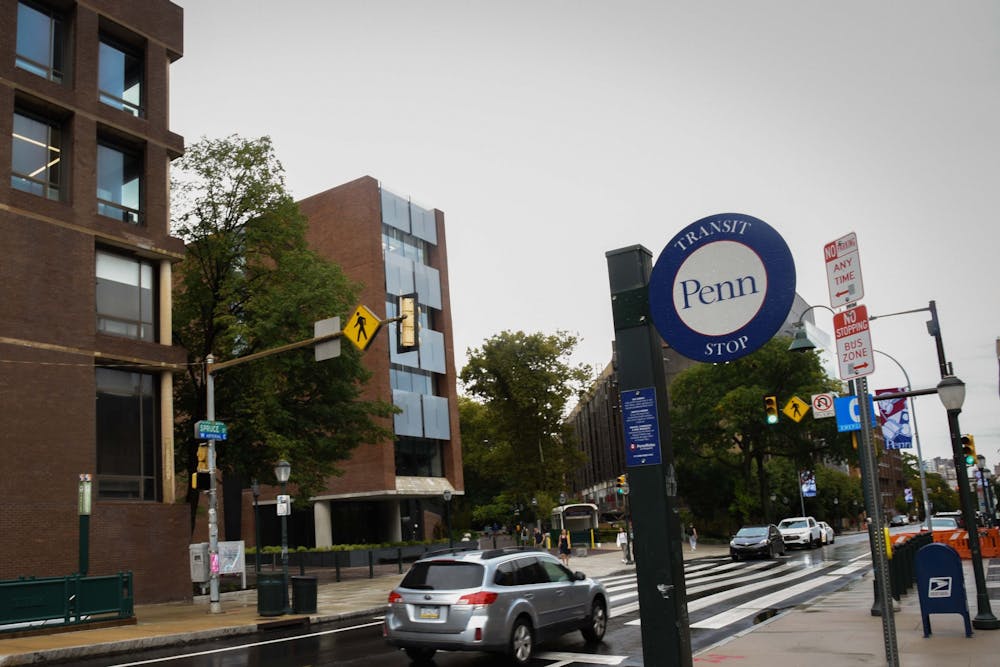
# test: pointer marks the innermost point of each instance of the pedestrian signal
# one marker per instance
(771, 409)
(969, 449)
(408, 328)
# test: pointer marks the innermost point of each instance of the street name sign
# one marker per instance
(855, 356)
(208, 430)
(843, 270)
(722, 287)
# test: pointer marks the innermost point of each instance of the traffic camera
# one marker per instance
(969, 449)
(771, 409)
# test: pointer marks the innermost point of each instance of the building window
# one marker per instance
(127, 435)
(119, 184)
(125, 296)
(36, 156)
(41, 44)
(418, 457)
(120, 78)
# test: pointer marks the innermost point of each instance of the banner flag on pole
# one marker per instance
(895, 419)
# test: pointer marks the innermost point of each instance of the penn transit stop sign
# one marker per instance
(722, 287)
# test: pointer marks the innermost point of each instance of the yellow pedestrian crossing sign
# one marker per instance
(361, 327)
(795, 409)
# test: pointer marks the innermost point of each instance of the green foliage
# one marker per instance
(249, 283)
(516, 443)
(723, 444)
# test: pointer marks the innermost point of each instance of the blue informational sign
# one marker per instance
(849, 413)
(941, 584)
(722, 287)
(642, 428)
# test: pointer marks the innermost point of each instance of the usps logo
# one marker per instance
(939, 587)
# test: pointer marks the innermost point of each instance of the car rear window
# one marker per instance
(793, 524)
(443, 575)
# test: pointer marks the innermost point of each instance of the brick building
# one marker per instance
(86, 360)
(393, 490)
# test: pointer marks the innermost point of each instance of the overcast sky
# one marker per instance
(552, 132)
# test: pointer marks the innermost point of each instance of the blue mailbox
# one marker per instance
(941, 585)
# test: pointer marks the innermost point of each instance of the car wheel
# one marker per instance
(420, 656)
(597, 623)
(736, 557)
(522, 642)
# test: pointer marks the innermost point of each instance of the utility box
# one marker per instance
(200, 571)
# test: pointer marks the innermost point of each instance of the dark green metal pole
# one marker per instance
(666, 634)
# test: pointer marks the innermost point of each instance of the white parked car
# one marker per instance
(801, 531)
(828, 535)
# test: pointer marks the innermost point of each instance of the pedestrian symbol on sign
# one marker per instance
(362, 327)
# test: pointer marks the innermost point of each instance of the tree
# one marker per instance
(249, 283)
(523, 383)
(719, 428)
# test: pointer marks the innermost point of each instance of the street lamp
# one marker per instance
(836, 514)
(282, 472)
(447, 515)
(984, 484)
(951, 391)
(255, 489)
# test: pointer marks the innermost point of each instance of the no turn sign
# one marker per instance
(822, 405)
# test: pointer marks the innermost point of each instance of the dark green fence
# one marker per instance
(65, 600)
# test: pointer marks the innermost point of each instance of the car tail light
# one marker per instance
(479, 598)
(395, 597)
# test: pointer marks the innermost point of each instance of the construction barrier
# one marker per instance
(989, 541)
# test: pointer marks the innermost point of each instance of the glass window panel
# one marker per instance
(118, 184)
(127, 434)
(120, 79)
(125, 296)
(409, 421)
(39, 42)
(35, 156)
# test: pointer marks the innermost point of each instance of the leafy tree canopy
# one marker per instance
(719, 430)
(522, 384)
(249, 283)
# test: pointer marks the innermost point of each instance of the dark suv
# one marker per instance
(500, 600)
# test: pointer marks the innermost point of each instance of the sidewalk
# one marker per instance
(835, 631)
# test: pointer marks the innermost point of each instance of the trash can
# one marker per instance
(270, 594)
(304, 595)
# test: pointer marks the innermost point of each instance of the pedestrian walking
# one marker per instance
(622, 541)
(539, 538)
(693, 537)
(564, 547)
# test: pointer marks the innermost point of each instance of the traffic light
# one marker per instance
(771, 409)
(408, 328)
(622, 484)
(969, 449)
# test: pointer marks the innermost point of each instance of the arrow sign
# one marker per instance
(855, 356)
(843, 270)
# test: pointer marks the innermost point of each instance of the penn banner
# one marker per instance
(807, 481)
(895, 420)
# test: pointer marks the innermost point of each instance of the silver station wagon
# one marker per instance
(498, 600)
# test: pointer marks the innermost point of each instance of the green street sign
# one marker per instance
(206, 430)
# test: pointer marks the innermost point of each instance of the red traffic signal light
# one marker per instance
(771, 409)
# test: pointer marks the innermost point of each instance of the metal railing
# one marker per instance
(70, 600)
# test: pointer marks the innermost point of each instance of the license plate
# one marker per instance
(430, 613)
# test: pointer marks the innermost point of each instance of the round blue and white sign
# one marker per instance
(722, 287)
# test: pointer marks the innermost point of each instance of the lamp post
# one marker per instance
(447, 515)
(836, 514)
(282, 472)
(951, 391)
(255, 489)
(984, 484)
(916, 438)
